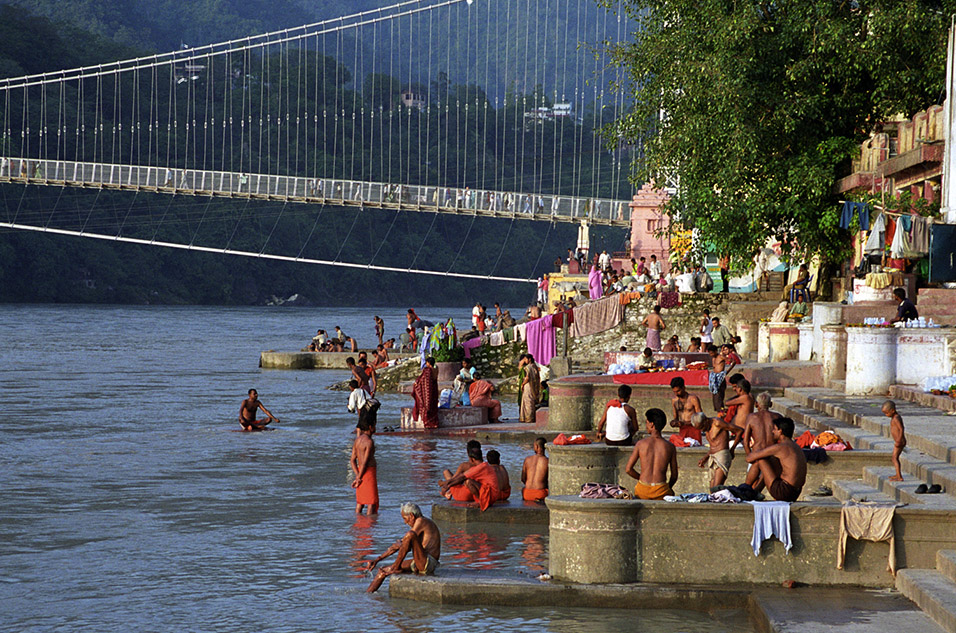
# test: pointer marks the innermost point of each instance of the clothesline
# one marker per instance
(882, 209)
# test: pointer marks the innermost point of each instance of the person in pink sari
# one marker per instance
(480, 395)
(595, 287)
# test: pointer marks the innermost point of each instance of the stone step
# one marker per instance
(816, 421)
(858, 490)
(946, 563)
(932, 592)
(929, 469)
(905, 491)
(927, 429)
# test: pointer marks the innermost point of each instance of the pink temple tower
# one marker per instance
(647, 220)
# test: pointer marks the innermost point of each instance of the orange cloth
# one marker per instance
(652, 492)
(731, 413)
(530, 494)
(480, 395)
(461, 493)
(367, 492)
(828, 437)
(805, 440)
(487, 478)
(626, 297)
(504, 494)
(685, 431)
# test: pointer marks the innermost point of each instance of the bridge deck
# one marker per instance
(326, 191)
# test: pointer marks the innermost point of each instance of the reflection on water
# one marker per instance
(131, 504)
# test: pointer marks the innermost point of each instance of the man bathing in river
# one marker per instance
(364, 465)
(247, 413)
(782, 463)
(534, 474)
(655, 455)
(423, 541)
(719, 458)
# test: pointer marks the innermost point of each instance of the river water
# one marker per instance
(131, 503)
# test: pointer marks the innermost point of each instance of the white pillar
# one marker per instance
(870, 360)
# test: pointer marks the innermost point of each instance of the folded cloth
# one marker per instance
(867, 521)
(828, 437)
(367, 491)
(805, 440)
(530, 494)
(592, 490)
(771, 518)
(564, 440)
(625, 298)
(596, 316)
(652, 491)
(723, 496)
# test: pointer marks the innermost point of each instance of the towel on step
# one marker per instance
(771, 518)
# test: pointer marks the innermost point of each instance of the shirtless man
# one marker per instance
(782, 463)
(742, 401)
(717, 379)
(247, 413)
(358, 374)
(369, 371)
(685, 404)
(364, 465)
(504, 484)
(423, 540)
(462, 467)
(719, 458)
(899, 437)
(655, 325)
(655, 455)
(534, 474)
(477, 484)
(758, 432)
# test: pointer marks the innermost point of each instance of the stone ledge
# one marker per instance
(514, 511)
(912, 394)
(447, 418)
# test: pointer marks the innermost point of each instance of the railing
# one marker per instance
(330, 191)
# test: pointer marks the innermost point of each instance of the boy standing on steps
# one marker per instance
(896, 432)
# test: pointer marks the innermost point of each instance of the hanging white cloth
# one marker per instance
(876, 240)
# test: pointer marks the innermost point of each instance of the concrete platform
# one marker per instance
(314, 360)
(455, 417)
(514, 511)
(918, 396)
(800, 610)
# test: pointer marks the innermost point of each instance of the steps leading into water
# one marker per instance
(933, 590)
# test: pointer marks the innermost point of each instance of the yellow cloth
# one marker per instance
(828, 437)
(652, 492)
(867, 522)
(878, 280)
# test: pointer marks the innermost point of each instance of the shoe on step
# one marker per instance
(935, 489)
(921, 489)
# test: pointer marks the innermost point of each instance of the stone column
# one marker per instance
(921, 353)
(806, 341)
(824, 313)
(593, 540)
(870, 360)
(833, 353)
(784, 341)
(747, 331)
(571, 466)
(569, 406)
(763, 342)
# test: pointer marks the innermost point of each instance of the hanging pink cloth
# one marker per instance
(595, 287)
(541, 339)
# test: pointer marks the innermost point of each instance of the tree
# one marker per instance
(755, 108)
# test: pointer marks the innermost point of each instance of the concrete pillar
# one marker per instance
(870, 360)
(833, 353)
(806, 340)
(921, 353)
(824, 313)
(571, 466)
(447, 371)
(747, 331)
(593, 541)
(784, 341)
(763, 342)
(569, 406)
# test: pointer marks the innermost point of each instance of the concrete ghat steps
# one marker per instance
(905, 491)
(928, 430)
(816, 421)
(946, 563)
(858, 490)
(932, 592)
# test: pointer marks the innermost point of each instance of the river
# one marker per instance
(131, 503)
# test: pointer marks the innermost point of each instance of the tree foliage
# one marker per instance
(753, 109)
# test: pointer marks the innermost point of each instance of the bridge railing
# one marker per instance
(332, 191)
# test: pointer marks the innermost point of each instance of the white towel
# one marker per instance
(520, 332)
(771, 518)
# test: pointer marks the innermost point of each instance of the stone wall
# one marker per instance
(499, 361)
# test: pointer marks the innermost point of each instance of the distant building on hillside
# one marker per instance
(412, 98)
(549, 113)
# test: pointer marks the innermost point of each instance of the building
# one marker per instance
(413, 98)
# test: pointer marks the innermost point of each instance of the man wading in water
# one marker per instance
(247, 413)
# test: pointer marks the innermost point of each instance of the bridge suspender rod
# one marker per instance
(282, 258)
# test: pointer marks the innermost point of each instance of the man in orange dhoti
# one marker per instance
(534, 474)
(477, 484)
(364, 466)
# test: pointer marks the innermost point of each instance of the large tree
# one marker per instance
(754, 109)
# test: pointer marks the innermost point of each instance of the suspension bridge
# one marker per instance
(358, 111)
